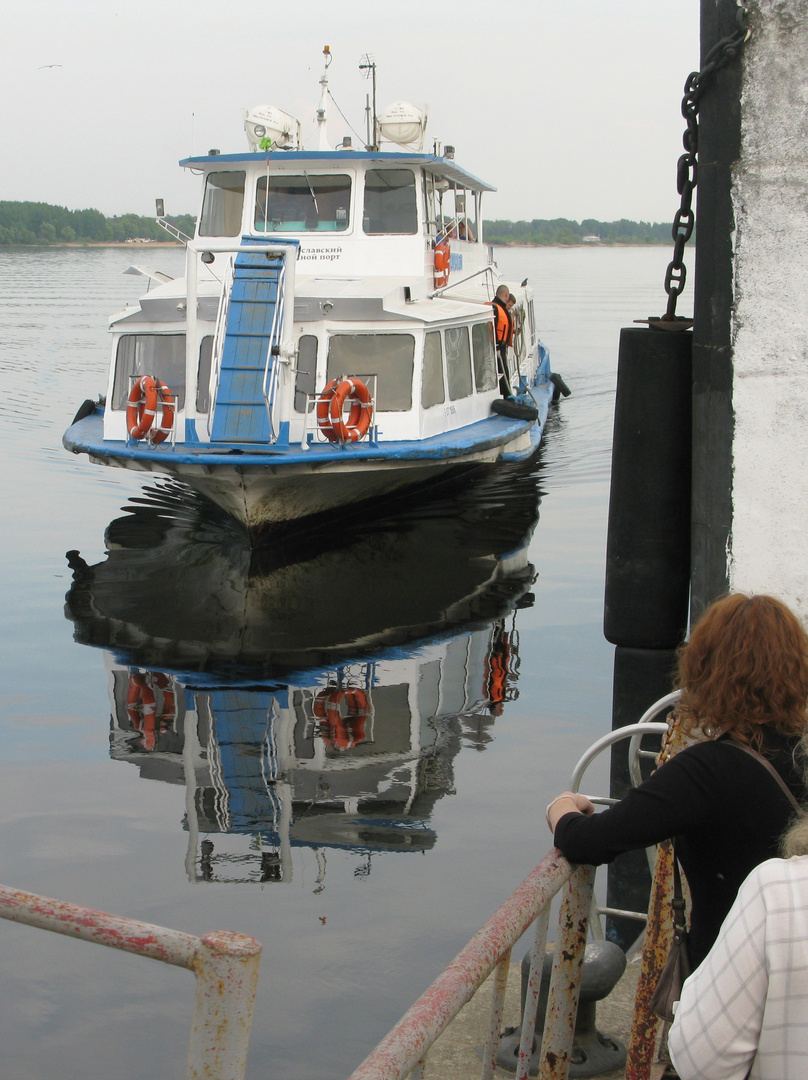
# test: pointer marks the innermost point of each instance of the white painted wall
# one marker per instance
(769, 540)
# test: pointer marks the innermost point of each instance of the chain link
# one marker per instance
(723, 52)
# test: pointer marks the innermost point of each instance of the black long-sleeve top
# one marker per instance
(724, 809)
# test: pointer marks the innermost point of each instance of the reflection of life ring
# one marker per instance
(338, 731)
(442, 260)
(497, 669)
(141, 706)
(168, 713)
(141, 409)
(329, 410)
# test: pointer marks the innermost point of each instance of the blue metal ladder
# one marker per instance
(241, 411)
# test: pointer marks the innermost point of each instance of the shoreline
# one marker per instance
(160, 244)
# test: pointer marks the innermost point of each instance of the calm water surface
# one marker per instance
(362, 851)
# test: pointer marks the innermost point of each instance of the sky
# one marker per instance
(571, 108)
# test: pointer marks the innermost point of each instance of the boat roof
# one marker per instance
(438, 166)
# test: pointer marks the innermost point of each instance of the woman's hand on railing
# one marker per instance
(566, 803)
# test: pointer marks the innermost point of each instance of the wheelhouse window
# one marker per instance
(390, 205)
(304, 203)
(223, 204)
(161, 355)
(390, 357)
(458, 362)
(482, 344)
(432, 392)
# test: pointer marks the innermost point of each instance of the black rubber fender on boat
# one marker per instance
(514, 409)
(648, 541)
(559, 386)
(87, 408)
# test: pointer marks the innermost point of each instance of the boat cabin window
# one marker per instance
(457, 217)
(306, 370)
(161, 355)
(458, 362)
(518, 316)
(223, 204)
(304, 203)
(430, 202)
(432, 392)
(531, 321)
(390, 357)
(203, 374)
(390, 204)
(485, 368)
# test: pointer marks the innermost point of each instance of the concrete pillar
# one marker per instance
(769, 537)
(750, 384)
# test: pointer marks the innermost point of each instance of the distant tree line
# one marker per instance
(562, 231)
(41, 223)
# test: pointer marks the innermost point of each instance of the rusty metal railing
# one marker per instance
(403, 1052)
(225, 965)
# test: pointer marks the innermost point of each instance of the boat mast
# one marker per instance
(321, 109)
(368, 68)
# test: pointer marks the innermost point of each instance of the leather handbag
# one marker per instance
(677, 966)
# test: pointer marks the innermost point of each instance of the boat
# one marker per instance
(332, 339)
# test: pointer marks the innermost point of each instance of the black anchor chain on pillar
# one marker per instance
(723, 52)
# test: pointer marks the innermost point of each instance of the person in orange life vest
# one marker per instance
(503, 331)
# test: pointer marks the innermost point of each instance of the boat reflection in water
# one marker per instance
(315, 691)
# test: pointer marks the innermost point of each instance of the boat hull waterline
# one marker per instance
(261, 488)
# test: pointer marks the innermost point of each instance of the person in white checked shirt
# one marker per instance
(744, 1011)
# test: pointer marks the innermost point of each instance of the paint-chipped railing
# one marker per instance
(225, 965)
(404, 1050)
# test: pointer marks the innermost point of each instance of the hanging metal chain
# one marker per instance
(723, 52)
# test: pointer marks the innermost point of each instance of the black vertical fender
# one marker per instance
(648, 542)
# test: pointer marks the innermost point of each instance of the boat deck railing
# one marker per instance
(219, 335)
(312, 432)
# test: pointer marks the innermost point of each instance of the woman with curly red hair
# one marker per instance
(744, 679)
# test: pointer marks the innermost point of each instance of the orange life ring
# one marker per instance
(442, 261)
(329, 410)
(141, 409)
(338, 731)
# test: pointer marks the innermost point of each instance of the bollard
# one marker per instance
(592, 1053)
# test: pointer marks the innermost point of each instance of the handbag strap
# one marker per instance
(768, 765)
(677, 900)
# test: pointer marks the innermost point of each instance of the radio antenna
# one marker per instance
(368, 69)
